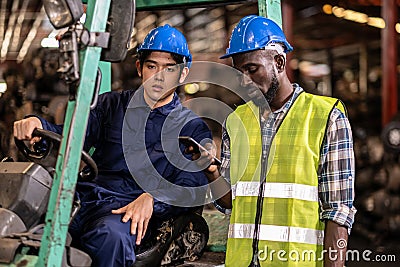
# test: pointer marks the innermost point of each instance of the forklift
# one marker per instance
(37, 197)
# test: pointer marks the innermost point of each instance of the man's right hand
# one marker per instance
(23, 129)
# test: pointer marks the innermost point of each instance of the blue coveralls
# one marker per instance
(100, 233)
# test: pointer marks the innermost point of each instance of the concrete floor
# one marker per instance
(209, 259)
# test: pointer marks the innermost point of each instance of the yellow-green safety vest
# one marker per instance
(290, 233)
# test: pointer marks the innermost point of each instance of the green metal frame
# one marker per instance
(67, 166)
(267, 8)
(271, 9)
(160, 4)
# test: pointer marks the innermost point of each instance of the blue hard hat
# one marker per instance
(255, 32)
(167, 39)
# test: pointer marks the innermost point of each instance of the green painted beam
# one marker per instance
(156, 4)
(267, 8)
(105, 68)
(68, 161)
(271, 9)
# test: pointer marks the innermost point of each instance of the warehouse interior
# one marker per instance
(337, 52)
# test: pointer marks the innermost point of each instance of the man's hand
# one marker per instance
(139, 212)
(204, 158)
(218, 184)
(23, 129)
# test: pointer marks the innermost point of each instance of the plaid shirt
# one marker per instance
(336, 165)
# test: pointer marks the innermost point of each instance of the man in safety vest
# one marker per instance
(288, 156)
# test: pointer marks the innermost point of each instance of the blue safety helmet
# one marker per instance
(255, 32)
(167, 39)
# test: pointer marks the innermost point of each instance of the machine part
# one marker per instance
(378, 203)
(394, 224)
(30, 241)
(96, 90)
(391, 136)
(69, 56)
(25, 189)
(63, 13)
(375, 150)
(39, 156)
(98, 39)
(76, 205)
(364, 177)
(190, 244)
(184, 237)
(120, 29)
(76, 258)
(11, 244)
(8, 249)
(381, 178)
(394, 205)
(30, 238)
(10, 222)
(393, 185)
(7, 159)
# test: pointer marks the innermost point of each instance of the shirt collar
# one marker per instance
(296, 92)
(138, 101)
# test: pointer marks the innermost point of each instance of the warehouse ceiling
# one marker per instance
(24, 25)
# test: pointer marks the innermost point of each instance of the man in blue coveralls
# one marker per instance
(128, 131)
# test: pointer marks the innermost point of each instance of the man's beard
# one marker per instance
(268, 96)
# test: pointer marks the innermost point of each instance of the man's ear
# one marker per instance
(280, 62)
(184, 74)
(138, 68)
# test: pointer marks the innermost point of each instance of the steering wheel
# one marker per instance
(42, 150)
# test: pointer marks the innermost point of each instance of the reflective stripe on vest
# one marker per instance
(276, 190)
(278, 233)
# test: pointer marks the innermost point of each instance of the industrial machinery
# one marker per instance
(24, 195)
(36, 192)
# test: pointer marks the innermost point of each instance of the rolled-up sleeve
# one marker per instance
(336, 172)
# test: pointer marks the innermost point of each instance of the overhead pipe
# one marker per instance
(288, 23)
(389, 61)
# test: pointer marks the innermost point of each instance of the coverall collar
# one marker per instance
(138, 101)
